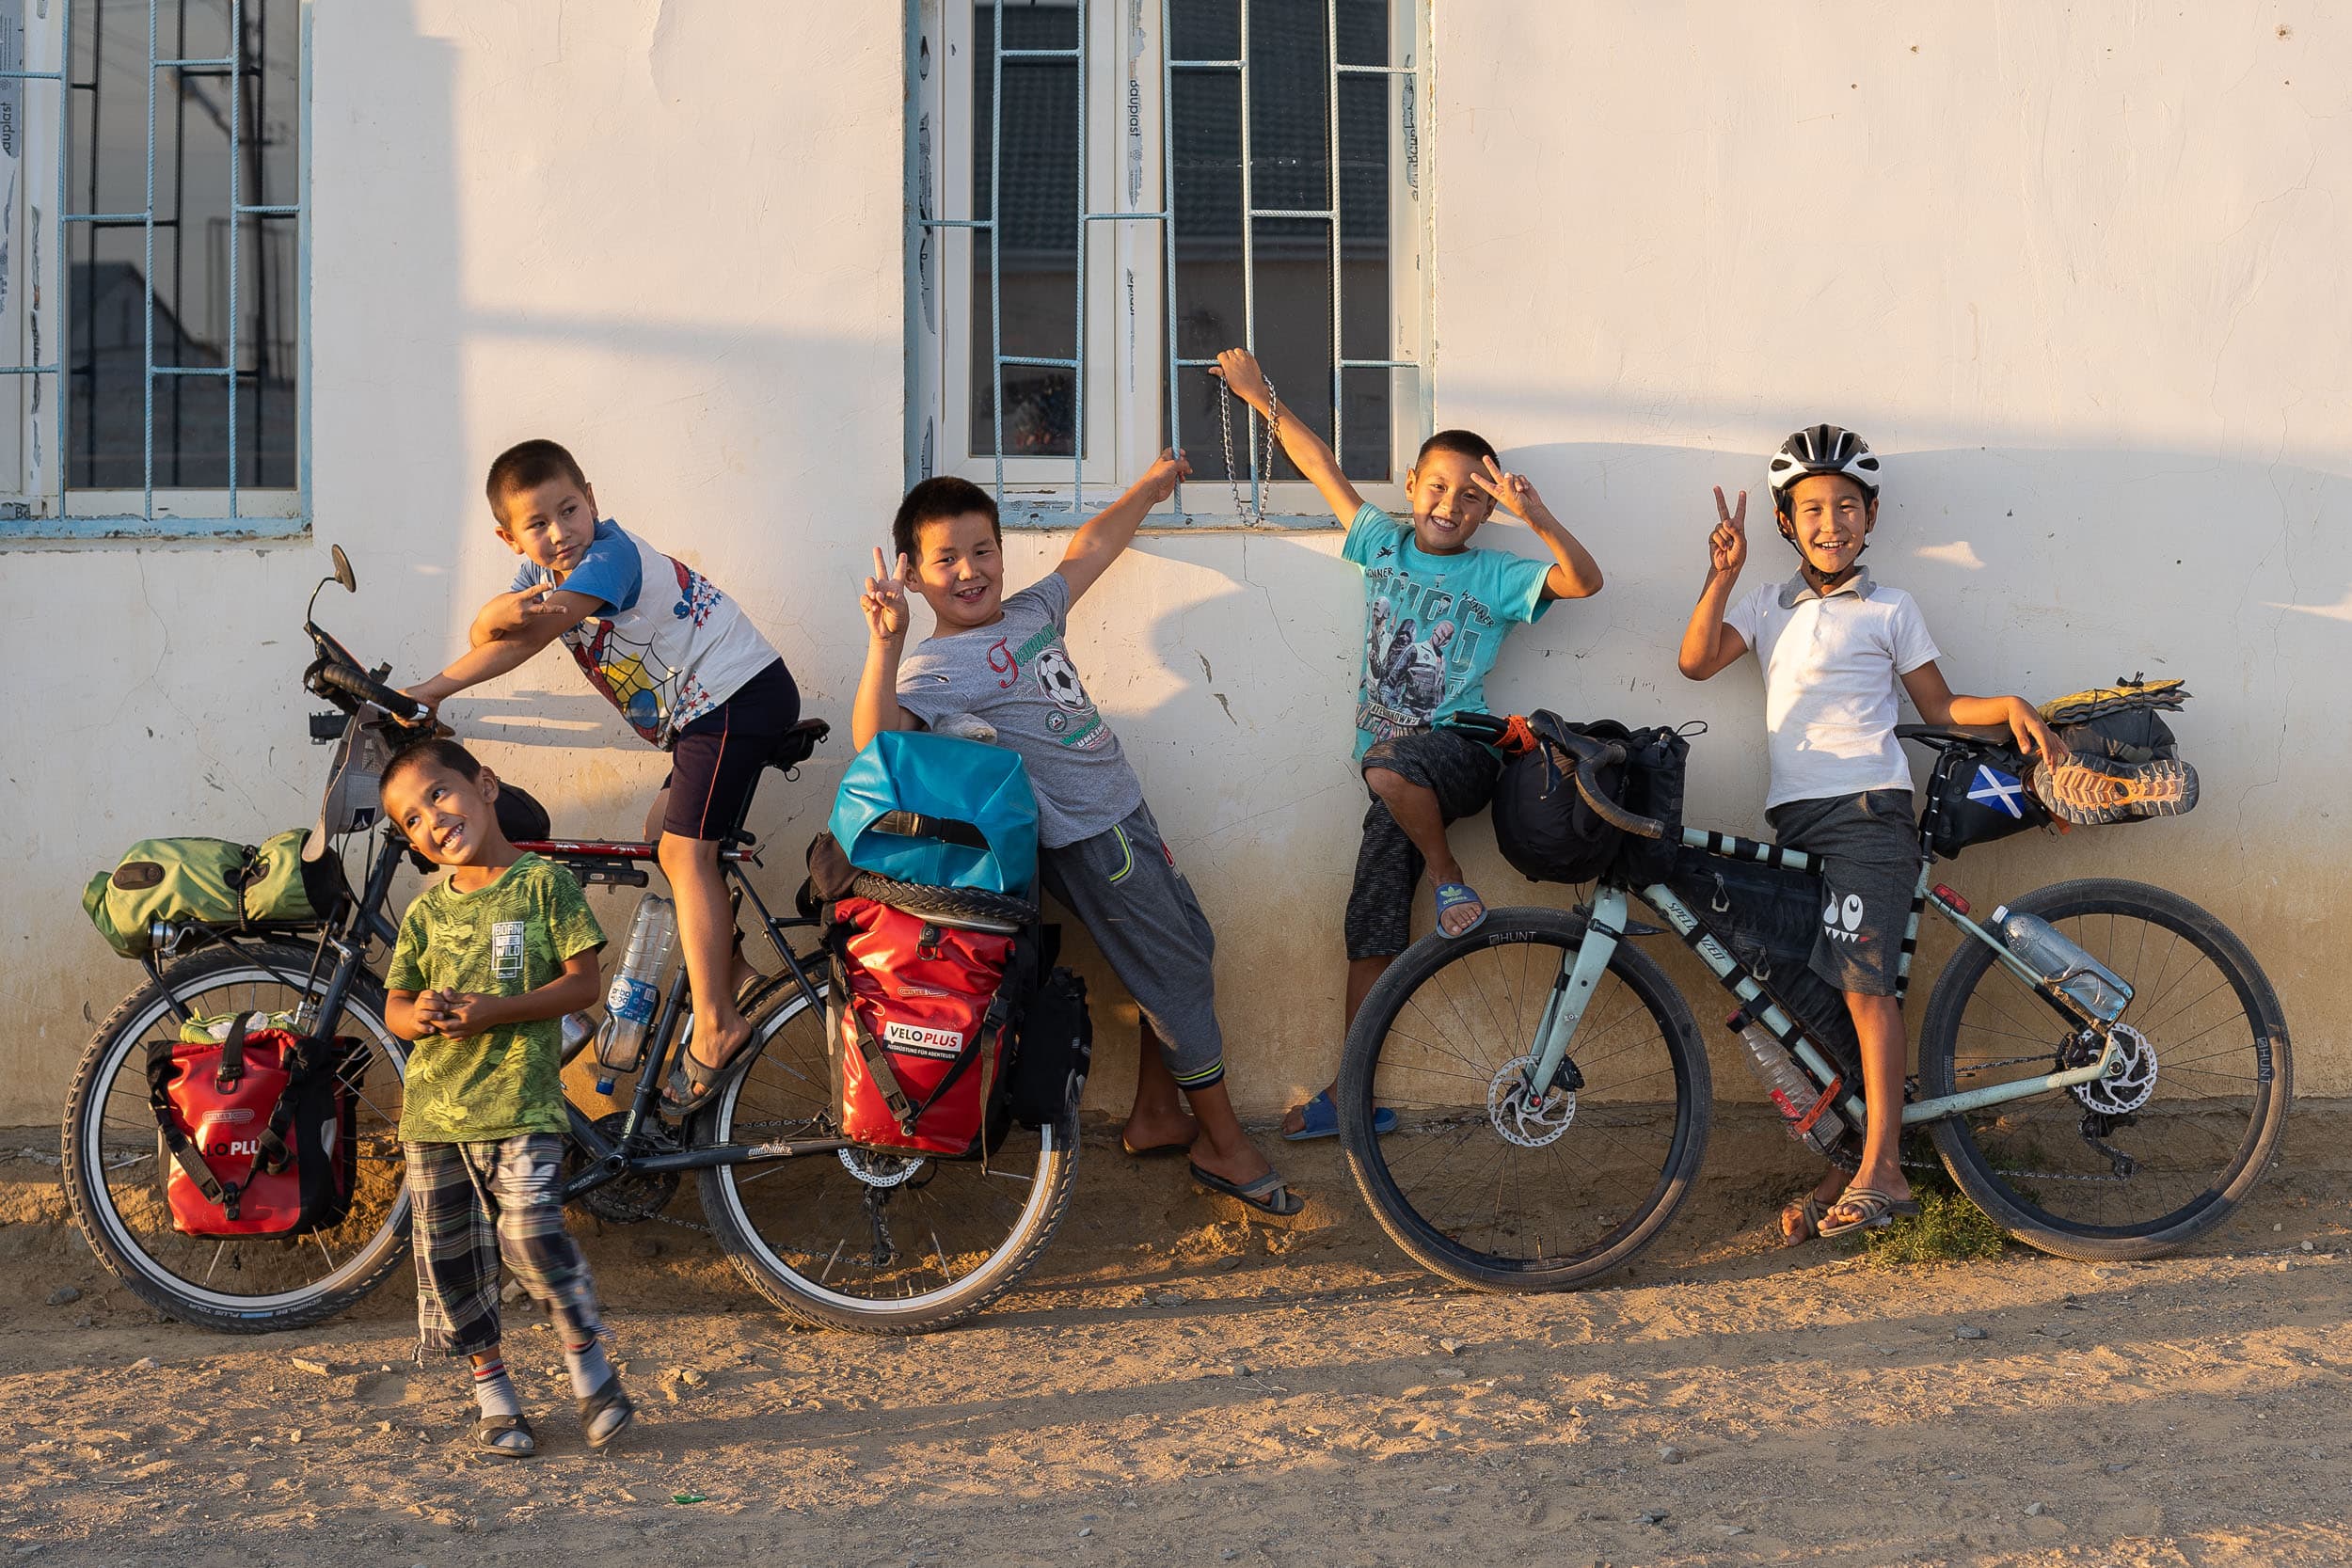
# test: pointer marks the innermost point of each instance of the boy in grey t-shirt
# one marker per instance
(1002, 659)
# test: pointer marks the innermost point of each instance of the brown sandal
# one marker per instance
(1811, 1212)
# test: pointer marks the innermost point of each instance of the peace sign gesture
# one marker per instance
(885, 600)
(1728, 546)
(1512, 492)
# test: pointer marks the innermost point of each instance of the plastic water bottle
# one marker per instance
(1791, 1091)
(636, 989)
(2062, 963)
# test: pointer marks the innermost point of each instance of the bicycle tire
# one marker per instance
(945, 903)
(1675, 1046)
(828, 1183)
(1981, 1150)
(118, 1045)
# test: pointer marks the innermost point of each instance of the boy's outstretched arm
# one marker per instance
(508, 614)
(1709, 646)
(1574, 575)
(504, 636)
(1940, 705)
(1303, 446)
(1110, 531)
(884, 601)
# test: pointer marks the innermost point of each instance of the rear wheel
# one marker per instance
(863, 1240)
(2136, 1165)
(115, 1170)
(1472, 1184)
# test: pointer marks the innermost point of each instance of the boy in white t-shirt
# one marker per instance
(1834, 645)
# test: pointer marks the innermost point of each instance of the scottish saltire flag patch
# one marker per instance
(1997, 790)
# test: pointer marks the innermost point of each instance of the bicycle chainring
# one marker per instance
(2128, 1083)
(1521, 1121)
(637, 1195)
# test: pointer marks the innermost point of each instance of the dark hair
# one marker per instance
(942, 496)
(1466, 443)
(526, 466)
(442, 752)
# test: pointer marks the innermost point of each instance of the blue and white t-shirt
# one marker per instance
(667, 646)
(1433, 625)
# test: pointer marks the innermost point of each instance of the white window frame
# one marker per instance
(36, 503)
(1129, 339)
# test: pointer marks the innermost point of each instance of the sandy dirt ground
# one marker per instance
(1177, 1387)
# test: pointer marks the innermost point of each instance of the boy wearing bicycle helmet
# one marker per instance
(1840, 650)
(1450, 604)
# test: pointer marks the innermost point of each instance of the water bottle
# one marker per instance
(636, 990)
(2060, 963)
(1791, 1091)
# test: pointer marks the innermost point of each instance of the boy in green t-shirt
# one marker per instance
(490, 957)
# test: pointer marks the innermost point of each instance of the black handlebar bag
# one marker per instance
(259, 1130)
(1548, 831)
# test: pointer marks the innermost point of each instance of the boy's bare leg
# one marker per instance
(1157, 1118)
(1879, 1021)
(706, 927)
(1362, 975)
(1416, 810)
(1223, 1148)
(740, 968)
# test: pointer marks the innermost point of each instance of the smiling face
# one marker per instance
(960, 570)
(1828, 519)
(1447, 505)
(549, 525)
(448, 818)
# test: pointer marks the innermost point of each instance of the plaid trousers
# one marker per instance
(474, 1203)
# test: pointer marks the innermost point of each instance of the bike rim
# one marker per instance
(126, 1172)
(952, 1225)
(1604, 1179)
(2201, 1121)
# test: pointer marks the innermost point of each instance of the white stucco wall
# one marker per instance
(2075, 272)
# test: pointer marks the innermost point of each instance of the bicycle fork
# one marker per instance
(1571, 994)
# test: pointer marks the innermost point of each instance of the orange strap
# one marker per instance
(1836, 1087)
(1517, 739)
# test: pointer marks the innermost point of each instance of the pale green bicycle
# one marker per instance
(1553, 1099)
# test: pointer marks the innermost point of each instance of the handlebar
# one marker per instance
(400, 707)
(1587, 756)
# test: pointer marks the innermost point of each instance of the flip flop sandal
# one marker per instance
(1267, 1196)
(683, 1105)
(1153, 1152)
(1878, 1211)
(593, 1408)
(1814, 1211)
(1452, 896)
(1320, 1118)
(487, 1431)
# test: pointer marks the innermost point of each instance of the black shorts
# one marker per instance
(1867, 847)
(1451, 766)
(716, 759)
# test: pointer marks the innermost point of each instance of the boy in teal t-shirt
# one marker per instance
(489, 961)
(1436, 612)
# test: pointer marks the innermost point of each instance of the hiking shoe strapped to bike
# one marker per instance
(2091, 791)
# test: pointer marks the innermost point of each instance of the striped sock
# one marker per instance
(493, 1390)
(589, 1367)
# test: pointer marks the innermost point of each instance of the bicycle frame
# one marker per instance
(1605, 926)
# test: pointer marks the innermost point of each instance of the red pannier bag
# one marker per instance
(259, 1131)
(920, 1020)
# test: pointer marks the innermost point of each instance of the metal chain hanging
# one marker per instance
(1251, 513)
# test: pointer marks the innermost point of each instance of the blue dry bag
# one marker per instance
(917, 807)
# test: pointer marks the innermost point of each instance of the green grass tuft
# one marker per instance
(1948, 1229)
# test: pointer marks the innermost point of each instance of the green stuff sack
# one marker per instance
(208, 881)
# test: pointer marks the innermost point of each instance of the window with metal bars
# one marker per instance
(152, 282)
(1109, 192)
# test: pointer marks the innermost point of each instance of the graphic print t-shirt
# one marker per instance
(511, 937)
(667, 647)
(1018, 675)
(1433, 625)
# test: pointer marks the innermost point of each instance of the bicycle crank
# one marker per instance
(633, 1196)
(1521, 1119)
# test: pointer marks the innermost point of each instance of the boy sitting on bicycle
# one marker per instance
(1436, 612)
(489, 959)
(1001, 659)
(687, 668)
(1834, 645)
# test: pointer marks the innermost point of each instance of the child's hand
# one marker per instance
(510, 613)
(430, 1010)
(1239, 367)
(1728, 546)
(1512, 492)
(2033, 736)
(884, 601)
(463, 1014)
(1159, 482)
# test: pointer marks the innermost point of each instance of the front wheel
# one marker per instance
(1478, 1185)
(878, 1243)
(2137, 1163)
(115, 1170)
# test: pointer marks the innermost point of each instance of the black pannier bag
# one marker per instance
(1548, 833)
(1978, 794)
(1768, 917)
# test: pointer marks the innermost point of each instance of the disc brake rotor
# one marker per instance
(1522, 1120)
(877, 1169)
(2129, 1082)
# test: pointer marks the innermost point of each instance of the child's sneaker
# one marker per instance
(2091, 791)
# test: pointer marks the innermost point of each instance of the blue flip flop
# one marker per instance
(1452, 896)
(1322, 1120)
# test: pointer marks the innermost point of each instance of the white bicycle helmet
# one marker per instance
(1822, 449)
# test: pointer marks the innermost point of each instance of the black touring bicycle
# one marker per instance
(830, 1232)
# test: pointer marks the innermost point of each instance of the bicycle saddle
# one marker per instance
(795, 744)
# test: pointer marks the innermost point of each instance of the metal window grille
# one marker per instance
(73, 333)
(1173, 366)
